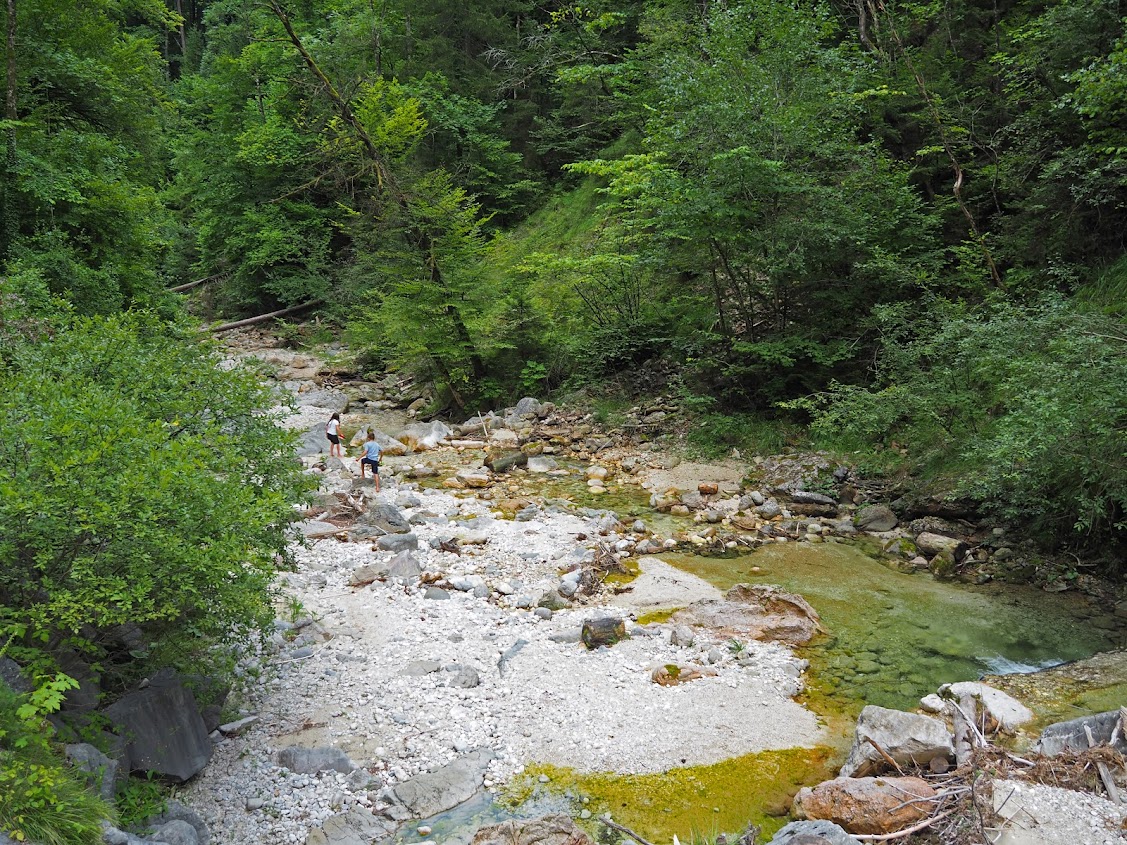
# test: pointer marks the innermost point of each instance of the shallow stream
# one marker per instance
(894, 637)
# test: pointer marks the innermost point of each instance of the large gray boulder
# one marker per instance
(1008, 712)
(388, 444)
(404, 566)
(327, 398)
(1071, 736)
(12, 676)
(806, 497)
(875, 518)
(542, 463)
(398, 542)
(354, 828)
(435, 792)
(478, 425)
(386, 517)
(527, 407)
(86, 696)
(818, 832)
(937, 544)
(110, 836)
(313, 442)
(419, 437)
(314, 529)
(308, 761)
(906, 737)
(175, 832)
(163, 729)
(101, 771)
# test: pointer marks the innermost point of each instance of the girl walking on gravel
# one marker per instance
(332, 432)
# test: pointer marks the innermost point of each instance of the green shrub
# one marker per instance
(715, 435)
(139, 799)
(141, 482)
(41, 799)
(1023, 407)
(608, 411)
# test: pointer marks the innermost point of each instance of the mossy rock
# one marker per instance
(901, 547)
(942, 567)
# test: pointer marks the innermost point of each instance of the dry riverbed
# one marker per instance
(405, 678)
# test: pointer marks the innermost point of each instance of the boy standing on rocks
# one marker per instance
(371, 458)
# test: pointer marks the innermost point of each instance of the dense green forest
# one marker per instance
(897, 228)
(906, 221)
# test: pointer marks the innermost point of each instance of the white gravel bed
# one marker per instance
(1046, 815)
(553, 702)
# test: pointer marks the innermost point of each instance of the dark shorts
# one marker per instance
(375, 465)
(334, 439)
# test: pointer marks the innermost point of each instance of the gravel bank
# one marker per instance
(394, 688)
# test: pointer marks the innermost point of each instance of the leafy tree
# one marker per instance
(463, 137)
(757, 189)
(85, 157)
(1023, 407)
(141, 483)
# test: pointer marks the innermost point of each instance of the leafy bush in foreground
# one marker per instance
(41, 799)
(143, 488)
(141, 483)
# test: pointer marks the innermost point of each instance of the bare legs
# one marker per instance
(375, 472)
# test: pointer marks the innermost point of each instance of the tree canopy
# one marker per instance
(507, 195)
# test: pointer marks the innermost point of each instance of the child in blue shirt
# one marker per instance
(371, 458)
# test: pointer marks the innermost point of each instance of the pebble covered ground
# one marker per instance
(1036, 814)
(407, 683)
(403, 677)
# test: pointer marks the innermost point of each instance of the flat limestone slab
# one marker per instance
(661, 586)
(688, 474)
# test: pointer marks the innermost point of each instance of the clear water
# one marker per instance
(895, 637)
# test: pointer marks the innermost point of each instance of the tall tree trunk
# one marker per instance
(377, 36)
(181, 32)
(387, 181)
(947, 144)
(9, 220)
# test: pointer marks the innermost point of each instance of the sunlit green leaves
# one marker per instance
(143, 484)
(1024, 406)
(392, 119)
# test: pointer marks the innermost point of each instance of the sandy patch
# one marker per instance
(663, 587)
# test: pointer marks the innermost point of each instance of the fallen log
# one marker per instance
(262, 318)
(203, 281)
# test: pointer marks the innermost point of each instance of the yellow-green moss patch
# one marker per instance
(722, 798)
(657, 616)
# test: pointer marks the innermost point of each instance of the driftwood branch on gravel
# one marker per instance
(623, 829)
(900, 834)
(197, 282)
